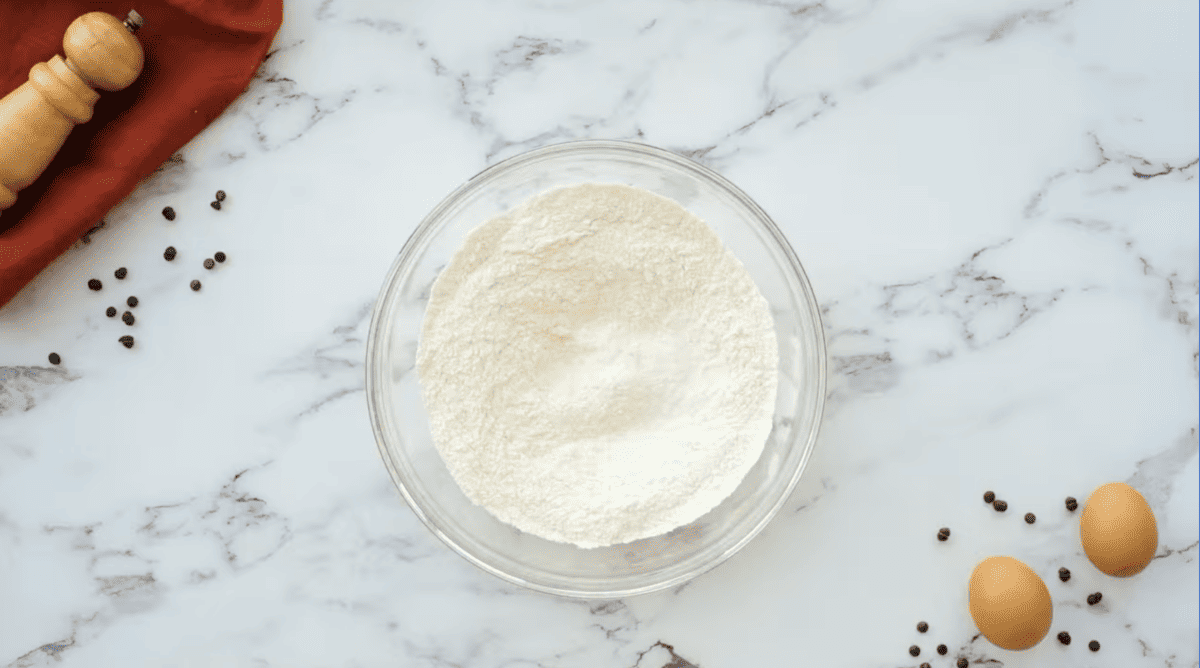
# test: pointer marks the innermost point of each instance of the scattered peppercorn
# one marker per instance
(208, 263)
(215, 204)
(925, 665)
(1093, 599)
(132, 301)
(962, 662)
(219, 256)
(220, 195)
(126, 341)
(110, 311)
(54, 358)
(169, 213)
(1072, 504)
(942, 649)
(121, 273)
(95, 284)
(1000, 506)
(1030, 518)
(196, 286)
(1094, 646)
(169, 254)
(1064, 637)
(1064, 574)
(914, 650)
(988, 497)
(127, 318)
(922, 627)
(943, 534)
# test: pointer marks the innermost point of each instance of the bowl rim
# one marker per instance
(382, 309)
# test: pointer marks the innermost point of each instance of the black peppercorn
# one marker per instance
(925, 665)
(209, 264)
(169, 254)
(220, 195)
(127, 318)
(196, 285)
(922, 627)
(1000, 506)
(1064, 574)
(914, 650)
(121, 273)
(215, 204)
(132, 301)
(1072, 504)
(988, 497)
(126, 341)
(95, 284)
(110, 311)
(1093, 599)
(54, 358)
(943, 534)
(1094, 646)
(962, 662)
(1030, 518)
(1064, 637)
(942, 649)
(169, 213)
(219, 256)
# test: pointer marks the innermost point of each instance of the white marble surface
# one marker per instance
(996, 202)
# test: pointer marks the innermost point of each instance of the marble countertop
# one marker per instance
(996, 202)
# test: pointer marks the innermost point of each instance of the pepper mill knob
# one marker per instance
(35, 119)
(102, 49)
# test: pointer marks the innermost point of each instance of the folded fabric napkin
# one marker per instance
(200, 55)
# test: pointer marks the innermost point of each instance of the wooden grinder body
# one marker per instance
(35, 119)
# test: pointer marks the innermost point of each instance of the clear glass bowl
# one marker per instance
(402, 427)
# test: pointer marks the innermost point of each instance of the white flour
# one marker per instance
(596, 367)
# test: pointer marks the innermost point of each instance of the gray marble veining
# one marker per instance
(996, 203)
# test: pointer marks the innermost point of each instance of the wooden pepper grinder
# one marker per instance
(36, 118)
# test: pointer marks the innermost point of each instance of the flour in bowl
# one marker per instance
(597, 368)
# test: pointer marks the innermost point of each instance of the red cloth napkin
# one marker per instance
(200, 55)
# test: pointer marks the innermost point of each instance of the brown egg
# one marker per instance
(1009, 603)
(1118, 530)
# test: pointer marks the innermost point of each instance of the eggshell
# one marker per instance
(1118, 530)
(1009, 603)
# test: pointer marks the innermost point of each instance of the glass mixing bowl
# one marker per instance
(402, 427)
